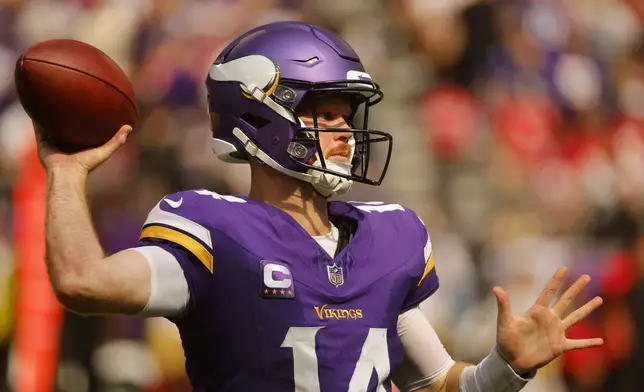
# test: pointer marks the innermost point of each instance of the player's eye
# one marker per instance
(328, 116)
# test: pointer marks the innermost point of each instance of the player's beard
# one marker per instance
(327, 184)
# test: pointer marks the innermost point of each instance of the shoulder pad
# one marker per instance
(186, 218)
(193, 204)
(376, 206)
(391, 212)
(395, 218)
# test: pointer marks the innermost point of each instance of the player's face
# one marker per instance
(332, 113)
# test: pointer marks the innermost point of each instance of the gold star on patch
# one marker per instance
(266, 291)
(274, 291)
(282, 292)
(290, 292)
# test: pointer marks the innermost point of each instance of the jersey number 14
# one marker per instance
(373, 356)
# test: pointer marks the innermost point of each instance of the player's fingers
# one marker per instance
(39, 132)
(578, 344)
(37, 129)
(123, 133)
(551, 288)
(93, 158)
(570, 295)
(44, 148)
(117, 141)
(583, 312)
(504, 311)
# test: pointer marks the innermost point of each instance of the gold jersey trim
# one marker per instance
(429, 267)
(179, 238)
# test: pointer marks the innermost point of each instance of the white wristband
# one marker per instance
(492, 374)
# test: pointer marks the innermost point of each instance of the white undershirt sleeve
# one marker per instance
(425, 359)
(169, 293)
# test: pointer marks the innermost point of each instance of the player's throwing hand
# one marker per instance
(532, 340)
(83, 161)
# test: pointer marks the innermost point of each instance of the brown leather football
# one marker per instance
(75, 92)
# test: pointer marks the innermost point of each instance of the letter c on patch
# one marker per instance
(277, 276)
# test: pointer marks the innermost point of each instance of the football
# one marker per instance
(76, 93)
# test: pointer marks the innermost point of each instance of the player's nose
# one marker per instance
(341, 123)
(342, 136)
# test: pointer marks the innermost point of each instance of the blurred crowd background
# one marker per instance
(519, 139)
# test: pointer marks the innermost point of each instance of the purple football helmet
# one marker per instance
(258, 81)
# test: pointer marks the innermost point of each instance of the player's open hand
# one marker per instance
(84, 161)
(532, 340)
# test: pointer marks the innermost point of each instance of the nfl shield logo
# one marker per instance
(336, 277)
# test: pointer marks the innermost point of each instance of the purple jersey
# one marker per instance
(272, 311)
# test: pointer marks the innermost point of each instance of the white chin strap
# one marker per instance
(329, 184)
(325, 184)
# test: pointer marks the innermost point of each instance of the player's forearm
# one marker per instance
(453, 381)
(492, 374)
(448, 383)
(72, 245)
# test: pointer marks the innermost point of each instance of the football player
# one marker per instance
(284, 290)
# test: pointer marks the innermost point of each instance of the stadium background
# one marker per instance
(519, 139)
